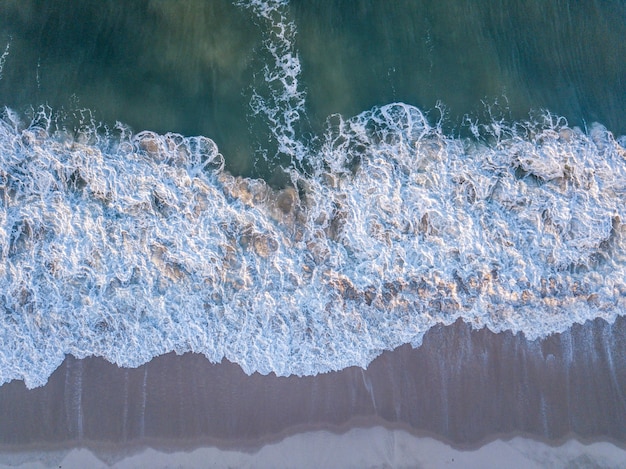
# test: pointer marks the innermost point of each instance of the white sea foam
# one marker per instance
(278, 98)
(134, 246)
(130, 246)
(3, 57)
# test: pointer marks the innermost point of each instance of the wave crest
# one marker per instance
(132, 246)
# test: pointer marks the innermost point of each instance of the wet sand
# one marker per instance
(462, 387)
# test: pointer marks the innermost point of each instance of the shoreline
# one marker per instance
(374, 446)
(116, 451)
(464, 388)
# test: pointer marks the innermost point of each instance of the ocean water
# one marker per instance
(298, 186)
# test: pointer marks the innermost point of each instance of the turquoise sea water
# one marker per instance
(297, 186)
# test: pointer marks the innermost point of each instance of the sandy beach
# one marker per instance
(357, 448)
(463, 389)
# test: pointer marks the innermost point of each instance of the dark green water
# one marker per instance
(189, 66)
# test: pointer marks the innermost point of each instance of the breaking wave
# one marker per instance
(128, 246)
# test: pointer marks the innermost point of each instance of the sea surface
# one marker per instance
(298, 186)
